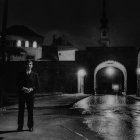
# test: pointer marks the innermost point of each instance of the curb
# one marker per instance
(133, 97)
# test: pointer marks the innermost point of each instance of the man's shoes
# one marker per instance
(19, 129)
(31, 129)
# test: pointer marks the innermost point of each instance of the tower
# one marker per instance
(104, 29)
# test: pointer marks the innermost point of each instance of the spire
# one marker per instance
(104, 20)
(104, 39)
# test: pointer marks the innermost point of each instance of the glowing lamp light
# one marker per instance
(115, 87)
(81, 72)
(110, 71)
(138, 71)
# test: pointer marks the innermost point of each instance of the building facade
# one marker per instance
(109, 69)
(25, 41)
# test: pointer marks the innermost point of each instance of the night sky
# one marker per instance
(79, 20)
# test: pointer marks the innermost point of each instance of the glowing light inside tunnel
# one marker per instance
(110, 71)
(113, 64)
(115, 87)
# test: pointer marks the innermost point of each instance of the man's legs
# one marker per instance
(21, 113)
(30, 104)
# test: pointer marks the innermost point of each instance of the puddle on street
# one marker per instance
(111, 116)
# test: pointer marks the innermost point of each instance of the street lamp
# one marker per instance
(81, 74)
(138, 71)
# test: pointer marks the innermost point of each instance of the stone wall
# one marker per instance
(53, 76)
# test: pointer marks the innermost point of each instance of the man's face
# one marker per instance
(29, 65)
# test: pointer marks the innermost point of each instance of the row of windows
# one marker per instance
(26, 43)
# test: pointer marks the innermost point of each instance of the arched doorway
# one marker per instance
(110, 64)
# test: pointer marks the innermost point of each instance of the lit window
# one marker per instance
(34, 44)
(26, 43)
(18, 43)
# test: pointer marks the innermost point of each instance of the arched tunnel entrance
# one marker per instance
(110, 77)
(109, 80)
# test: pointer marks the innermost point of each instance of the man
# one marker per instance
(27, 85)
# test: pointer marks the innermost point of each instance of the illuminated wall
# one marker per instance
(66, 55)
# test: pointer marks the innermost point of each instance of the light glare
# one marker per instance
(82, 72)
(138, 71)
(115, 87)
(110, 71)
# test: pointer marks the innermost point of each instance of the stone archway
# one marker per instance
(113, 64)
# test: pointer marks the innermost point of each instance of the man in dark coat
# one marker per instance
(27, 85)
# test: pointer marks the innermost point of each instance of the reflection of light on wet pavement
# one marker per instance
(84, 104)
(113, 117)
(136, 121)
